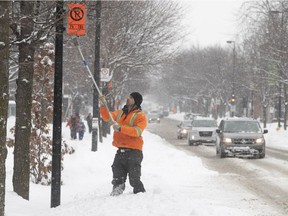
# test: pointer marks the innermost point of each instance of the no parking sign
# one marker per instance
(77, 19)
(105, 75)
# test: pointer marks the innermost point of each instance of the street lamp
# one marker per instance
(233, 76)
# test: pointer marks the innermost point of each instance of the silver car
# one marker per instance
(203, 130)
(242, 137)
(152, 117)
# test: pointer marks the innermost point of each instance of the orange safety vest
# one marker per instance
(132, 128)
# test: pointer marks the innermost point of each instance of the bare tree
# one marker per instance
(136, 37)
(31, 25)
(21, 174)
(198, 77)
(4, 71)
(266, 38)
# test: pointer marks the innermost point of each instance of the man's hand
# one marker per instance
(102, 100)
(116, 127)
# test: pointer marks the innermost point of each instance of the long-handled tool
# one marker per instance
(75, 40)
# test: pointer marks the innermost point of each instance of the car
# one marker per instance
(183, 129)
(240, 137)
(153, 117)
(166, 112)
(191, 116)
(203, 130)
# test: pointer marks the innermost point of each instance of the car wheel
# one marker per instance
(190, 143)
(262, 154)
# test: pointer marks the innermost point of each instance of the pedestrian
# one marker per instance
(89, 122)
(128, 124)
(73, 124)
(81, 129)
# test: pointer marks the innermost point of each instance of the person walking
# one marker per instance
(89, 122)
(81, 129)
(73, 124)
(128, 124)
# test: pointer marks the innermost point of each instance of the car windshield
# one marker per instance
(152, 115)
(204, 123)
(186, 124)
(242, 127)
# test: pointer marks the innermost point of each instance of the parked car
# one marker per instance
(241, 137)
(183, 129)
(153, 117)
(166, 112)
(191, 116)
(203, 130)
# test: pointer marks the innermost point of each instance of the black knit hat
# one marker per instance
(137, 98)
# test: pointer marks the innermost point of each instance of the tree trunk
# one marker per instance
(21, 174)
(4, 73)
(285, 102)
(264, 116)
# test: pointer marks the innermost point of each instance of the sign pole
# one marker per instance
(96, 74)
(57, 110)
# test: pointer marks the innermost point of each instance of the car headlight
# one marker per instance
(259, 141)
(227, 140)
(184, 131)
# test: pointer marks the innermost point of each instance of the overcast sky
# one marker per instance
(211, 21)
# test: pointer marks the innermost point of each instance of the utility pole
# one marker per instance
(4, 92)
(57, 110)
(96, 76)
(233, 107)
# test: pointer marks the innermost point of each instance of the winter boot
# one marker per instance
(117, 190)
(139, 189)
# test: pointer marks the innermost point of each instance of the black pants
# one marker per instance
(128, 161)
(73, 133)
(81, 135)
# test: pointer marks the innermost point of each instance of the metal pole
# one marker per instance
(96, 73)
(57, 111)
(281, 73)
(279, 105)
(233, 74)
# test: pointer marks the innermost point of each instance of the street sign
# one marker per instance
(105, 75)
(95, 123)
(76, 19)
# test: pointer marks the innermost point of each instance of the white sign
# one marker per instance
(94, 123)
(271, 110)
(105, 75)
(233, 108)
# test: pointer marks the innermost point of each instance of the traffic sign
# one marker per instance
(76, 19)
(233, 108)
(105, 75)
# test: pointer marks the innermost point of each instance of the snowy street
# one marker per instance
(177, 182)
(267, 177)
